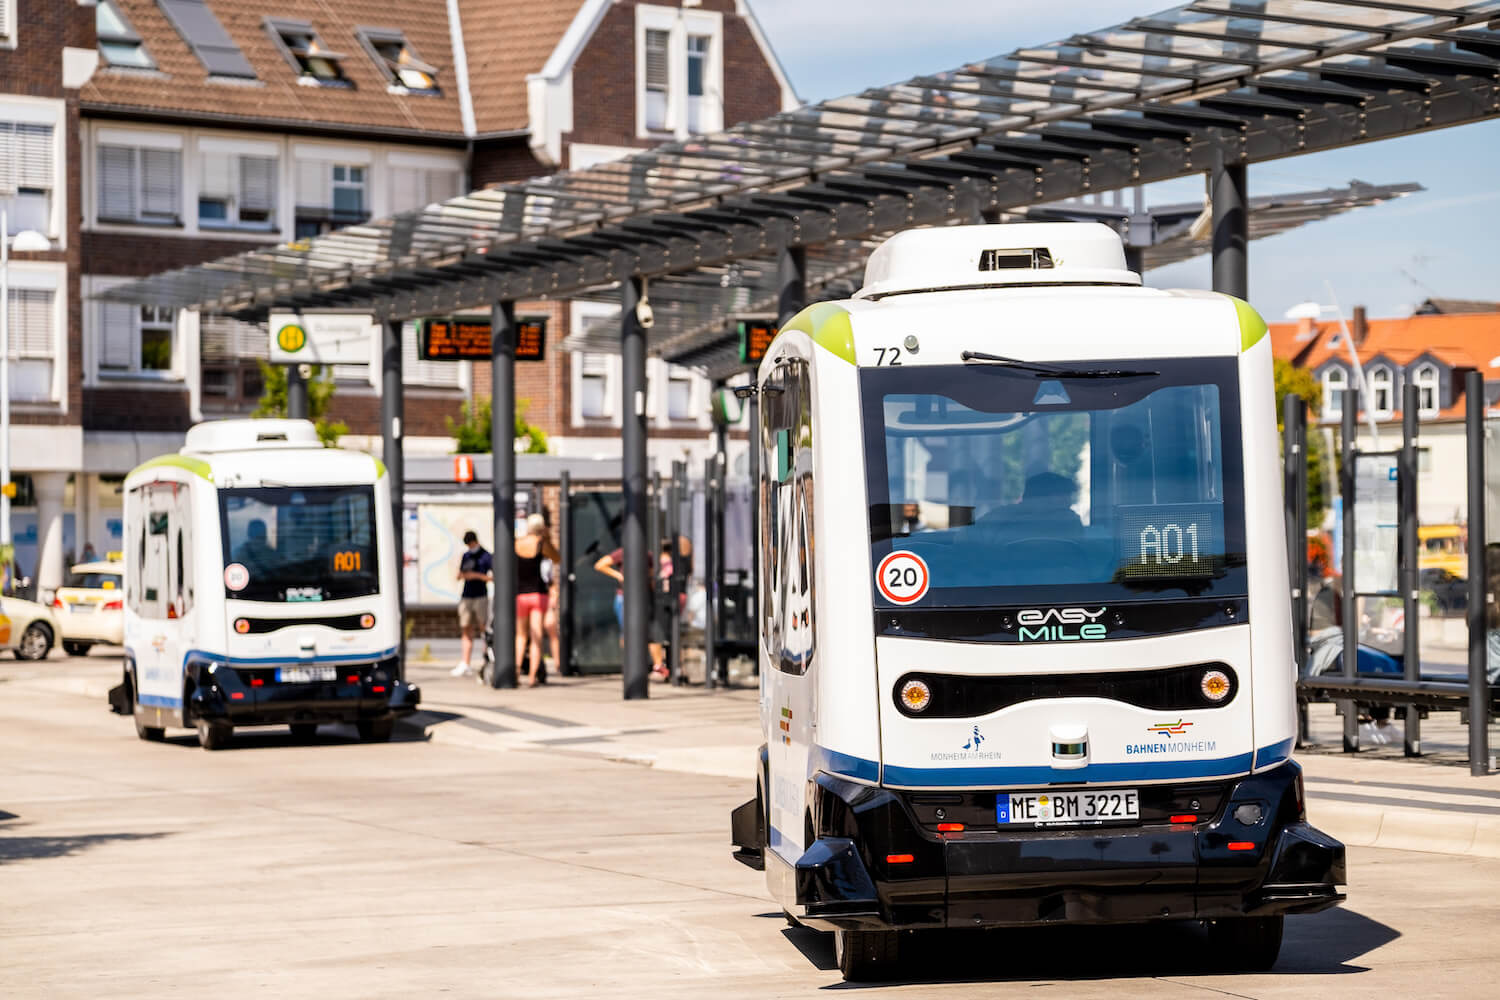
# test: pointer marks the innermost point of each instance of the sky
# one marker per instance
(1442, 242)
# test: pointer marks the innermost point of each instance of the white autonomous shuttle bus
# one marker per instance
(260, 587)
(1025, 639)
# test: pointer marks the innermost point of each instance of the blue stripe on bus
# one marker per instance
(779, 843)
(833, 762)
(1273, 754)
(158, 701)
(820, 758)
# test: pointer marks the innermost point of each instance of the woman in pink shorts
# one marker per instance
(531, 591)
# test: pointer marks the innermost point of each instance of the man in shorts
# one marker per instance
(475, 569)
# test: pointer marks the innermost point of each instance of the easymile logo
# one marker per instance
(1060, 624)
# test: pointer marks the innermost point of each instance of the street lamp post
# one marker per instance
(26, 241)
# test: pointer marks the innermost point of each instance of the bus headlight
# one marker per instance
(1214, 685)
(916, 695)
(367, 620)
(242, 625)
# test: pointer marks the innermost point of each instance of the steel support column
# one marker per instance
(1406, 482)
(1349, 583)
(565, 575)
(392, 409)
(1231, 225)
(638, 561)
(675, 494)
(791, 281)
(503, 489)
(711, 573)
(1479, 683)
(296, 393)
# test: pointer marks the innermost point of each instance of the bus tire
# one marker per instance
(375, 730)
(303, 730)
(214, 735)
(866, 956)
(1247, 944)
(152, 734)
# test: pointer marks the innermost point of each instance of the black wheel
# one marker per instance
(864, 956)
(36, 642)
(1246, 944)
(303, 730)
(214, 735)
(76, 647)
(153, 734)
(375, 730)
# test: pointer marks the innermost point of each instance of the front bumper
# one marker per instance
(252, 696)
(1010, 877)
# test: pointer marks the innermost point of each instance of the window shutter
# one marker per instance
(161, 171)
(33, 156)
(407, 189)
(257, 184)
(438, 373)
(225, 338)
(312, 183)
(31, 323)
(116, 326)
(656, 60)
(116, 182)
(217, 178)
(444, 184)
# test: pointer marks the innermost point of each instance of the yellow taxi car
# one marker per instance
(90, 608)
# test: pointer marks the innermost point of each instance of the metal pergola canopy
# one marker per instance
(1154, 98)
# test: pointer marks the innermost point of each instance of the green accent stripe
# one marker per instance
(194, 465)
(1252, 327)
(379, 466)
(827, 323)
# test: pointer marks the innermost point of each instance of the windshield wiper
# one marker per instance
(1049, 371)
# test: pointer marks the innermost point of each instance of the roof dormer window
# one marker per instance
(398, 60)
(119, 45)
(316, 64)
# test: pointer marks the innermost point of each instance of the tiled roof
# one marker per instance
(181, 85)
(505, 41)
(1463, 340)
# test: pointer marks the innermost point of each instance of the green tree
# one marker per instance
(1290, 379)
(320, 388)
(471, 431)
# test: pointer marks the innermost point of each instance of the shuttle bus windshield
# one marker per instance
(299, 543)
(1026, 486)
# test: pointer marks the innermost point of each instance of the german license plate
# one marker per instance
(305, 675)
(80, 607)
(1081, 806)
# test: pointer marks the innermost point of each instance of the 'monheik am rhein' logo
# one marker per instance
(1057, 624)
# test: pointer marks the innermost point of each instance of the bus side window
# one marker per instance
(786, 489)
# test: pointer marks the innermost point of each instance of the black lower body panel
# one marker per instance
(874, 865)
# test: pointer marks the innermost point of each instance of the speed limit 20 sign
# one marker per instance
(902, 578)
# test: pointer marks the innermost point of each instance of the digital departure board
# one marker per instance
(755, 339)
(1169, 540)
(465, 338)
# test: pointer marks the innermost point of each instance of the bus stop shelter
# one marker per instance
(753, 217)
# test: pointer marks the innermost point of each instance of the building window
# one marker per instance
(230, 348)
(396, 58)
(119, 45)
(593, 387)
(316, 64)
(236, 191)
(140, 185)
(32, 344)
(8, 23)
(26, 176)
(658, 79)
(679, 74)
(697, 71)
(198, 26)
(1335, 381)
(1426, 380)
(414, 187)
(680, 398)
(1381, 391)
(330, 195)
(134, 340)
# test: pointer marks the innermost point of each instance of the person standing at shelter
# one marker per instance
(475, 568)
(531, 591)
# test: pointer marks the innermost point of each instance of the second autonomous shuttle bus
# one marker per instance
(1025, 640)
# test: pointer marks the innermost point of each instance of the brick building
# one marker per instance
(143, 135)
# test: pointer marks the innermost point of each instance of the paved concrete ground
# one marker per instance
(561, 843)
